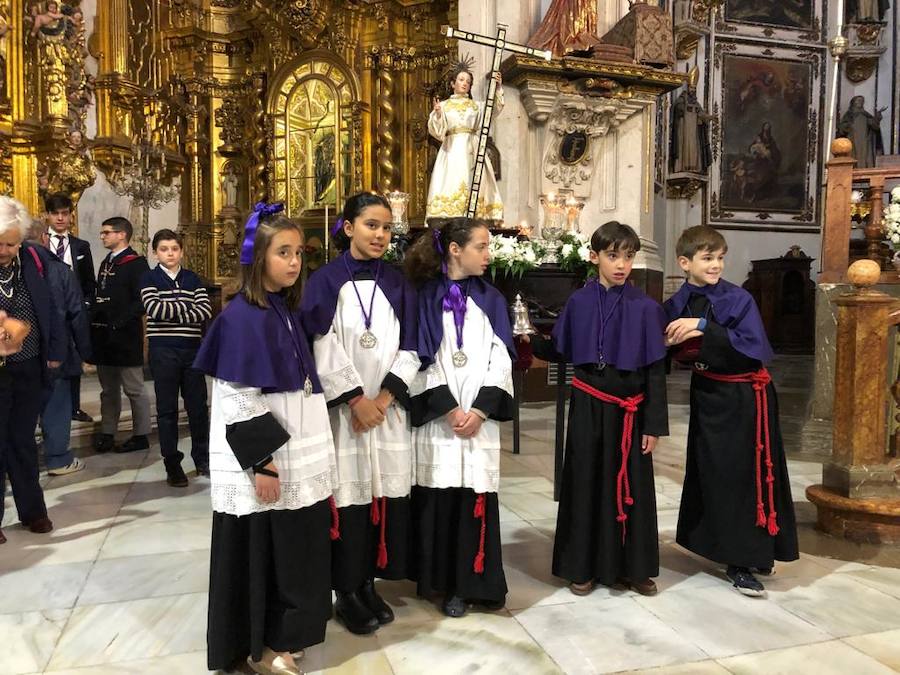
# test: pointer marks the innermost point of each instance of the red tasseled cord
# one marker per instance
(479, 512)
(630, 406)
(760, 380)
(335, 531)
(380, 518)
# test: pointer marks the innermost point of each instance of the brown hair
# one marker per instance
(700, 238)
(166, 234)
(618, 235)
(250, 279)
(423, 261)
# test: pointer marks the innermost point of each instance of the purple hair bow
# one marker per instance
(436, 239)
(338, 224)
(260, 211)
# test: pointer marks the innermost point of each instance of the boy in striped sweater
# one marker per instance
(177, 305)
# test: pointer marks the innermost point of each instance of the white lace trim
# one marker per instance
(438, 476)
(340, 382)
(360, 492)
(241, 403)
(240, 499)
(406, 365)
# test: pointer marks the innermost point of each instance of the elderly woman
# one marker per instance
(29, 363)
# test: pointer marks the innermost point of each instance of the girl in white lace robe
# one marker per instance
(362, 313)
(272, 466)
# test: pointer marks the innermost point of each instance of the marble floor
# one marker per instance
(120, 584)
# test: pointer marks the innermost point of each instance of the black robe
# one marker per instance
(117, 314)
(589, 539)
(718, 503)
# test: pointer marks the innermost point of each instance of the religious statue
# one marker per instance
(568, 26)
(864, 131)
(229, 183)
(689, 145)
(862, 11)
(455, 122)
(51, 22)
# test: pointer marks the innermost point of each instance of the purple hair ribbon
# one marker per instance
(338, 224)
(261, 210)
(436, 239)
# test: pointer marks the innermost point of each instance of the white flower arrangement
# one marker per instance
(513, 257)
(575, 253)
(892, 219)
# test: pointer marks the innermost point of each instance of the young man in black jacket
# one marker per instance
(76, 253)
(117, 337)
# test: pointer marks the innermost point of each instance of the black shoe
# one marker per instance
(764, 571)
(454, 606)
(376, 603)
(175, 476)
(490, 605)
(104, 443)
(203, 470)
(133, 444)
(745, 582)
(354, 614)
(81, 416)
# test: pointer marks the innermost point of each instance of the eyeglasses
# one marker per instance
(106, 233)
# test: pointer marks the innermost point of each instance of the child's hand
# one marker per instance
(470, 425)
(268, 488)
(455, 418)
(679, 330)
(367, 412)
(648, 444)
(384, 400)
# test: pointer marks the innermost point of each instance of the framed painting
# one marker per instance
(783, 20)
(766, 131)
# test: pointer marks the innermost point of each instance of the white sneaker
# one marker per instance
(75, 465)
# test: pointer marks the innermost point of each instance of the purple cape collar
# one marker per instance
(734, 309)
(253, 346)
(431, 314)
(628, 333)
(321, 294)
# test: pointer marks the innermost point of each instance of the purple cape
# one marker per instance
(431, 314)
(323, 286)
(734, 309)
(633, 334)
(254, 347)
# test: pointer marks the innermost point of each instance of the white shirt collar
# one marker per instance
(170, 274)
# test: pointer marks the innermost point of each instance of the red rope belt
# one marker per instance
(630, 406)
(379, 517)
(480, 511)
(759, 380)
(335, 531)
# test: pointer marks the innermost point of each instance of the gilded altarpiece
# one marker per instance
(233, 101)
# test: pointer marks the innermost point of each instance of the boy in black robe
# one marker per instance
(612, 333)
(736, 505)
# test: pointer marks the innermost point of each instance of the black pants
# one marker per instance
(75, 384)
(172, 373)
(21, 399)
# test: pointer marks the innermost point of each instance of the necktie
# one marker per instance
(60, 246)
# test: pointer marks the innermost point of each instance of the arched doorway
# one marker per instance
(312, 104)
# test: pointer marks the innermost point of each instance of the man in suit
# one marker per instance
(117, 337)
(76, 253)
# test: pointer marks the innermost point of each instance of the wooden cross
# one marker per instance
(499, 44)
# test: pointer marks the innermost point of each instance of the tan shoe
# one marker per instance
(581, 589)
(644, 586)
(274, 663)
